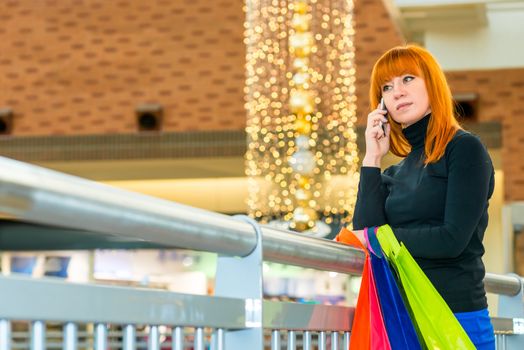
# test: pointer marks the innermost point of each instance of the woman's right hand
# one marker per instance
(377, 143)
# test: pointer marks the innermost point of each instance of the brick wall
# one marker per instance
(500, 98)
(81, 67)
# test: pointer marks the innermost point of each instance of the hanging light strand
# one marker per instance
(300, 100)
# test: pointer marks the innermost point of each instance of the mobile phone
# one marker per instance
(383, 107)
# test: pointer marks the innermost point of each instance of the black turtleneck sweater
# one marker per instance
(439, 211)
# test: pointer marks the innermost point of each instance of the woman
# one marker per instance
(436, 198)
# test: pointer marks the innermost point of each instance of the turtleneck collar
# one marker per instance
(416, 133)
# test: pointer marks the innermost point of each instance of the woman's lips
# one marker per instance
(403, 105)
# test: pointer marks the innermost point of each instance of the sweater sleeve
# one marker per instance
(371, 197)
(470, 185)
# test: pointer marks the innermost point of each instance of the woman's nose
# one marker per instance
(398, 90)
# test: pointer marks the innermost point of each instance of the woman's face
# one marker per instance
(406, 99)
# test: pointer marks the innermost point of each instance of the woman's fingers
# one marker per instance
(377, 116)
(377, 129)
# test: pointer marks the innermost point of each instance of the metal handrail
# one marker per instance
(40, 195)
(26, 298)
(503, 284)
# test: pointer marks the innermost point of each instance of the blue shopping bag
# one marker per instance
(399, 327)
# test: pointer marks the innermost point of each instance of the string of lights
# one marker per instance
(301, 159)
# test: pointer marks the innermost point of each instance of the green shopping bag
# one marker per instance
(434, 319)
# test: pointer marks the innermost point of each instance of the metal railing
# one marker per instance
(236, 318)
(40, 195)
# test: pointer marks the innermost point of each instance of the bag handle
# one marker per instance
(347, 237)
(388, 241)
(372, 242)
(368, 243)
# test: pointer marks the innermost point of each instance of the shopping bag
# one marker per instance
(360, 330)
(368, 330)
(400, 329)
(379, 335)
(434, 319)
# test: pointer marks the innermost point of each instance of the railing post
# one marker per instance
(291, 340)
(242, 278)
(322, 340)
(334, 340)
(129, 341)
(177, 338)
(153, 342)
(307, 342)
(511, 306)
(275, 339)
(5, 334)
(38, 335)
(347, 336)
(198, 341)
(218, 339)
(70, 341)
(100, 336)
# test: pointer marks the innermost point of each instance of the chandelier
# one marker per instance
(302, 157)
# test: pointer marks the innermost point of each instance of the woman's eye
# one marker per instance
(408, 78)
(386, 88)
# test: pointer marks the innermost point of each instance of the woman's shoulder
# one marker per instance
(466, 145)
(462, 134)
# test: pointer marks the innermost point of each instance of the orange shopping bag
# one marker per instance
(368, 330)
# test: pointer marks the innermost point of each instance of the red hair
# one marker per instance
(412, 59)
